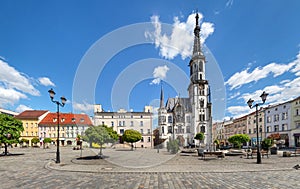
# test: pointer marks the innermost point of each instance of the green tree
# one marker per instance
(200, 137)
(46, 141)
(35, 140)
(10, 130)
(267, 143)
(173, 146)
(112, 133)
(98, 135)
(239, 139)
(22, 141)
(132, 136)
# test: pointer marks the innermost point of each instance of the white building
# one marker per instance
(278, 120)
(183, 118)
(123, 120)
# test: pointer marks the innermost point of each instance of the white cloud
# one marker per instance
(245, 77)
(13, 79)
(180, 41)
(45, 81)
(22, 108)
(83, 107)
(238, 110)
(159, 74)
(10, 96)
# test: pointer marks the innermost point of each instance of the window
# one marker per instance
(297, 112)
(260, 119)
(188, 129)
(276, 128)
(131, 123)
(81, 120)
(163, 130)
(149, 139)
(254, 130)
(284, 127)
(276, 117)
(249, 131)
(63, 119)
(202, 117)
(73, 119)
(142, 140)
(170, 129)
(284, 116)
(131, 116)
(26, 125)
(63, 135)
(54, 119)
(268, 129)
(188, 119)
(141, 116)
(121, 131)
(102, 122)
(170, 119)
(112, 123)
(142, 131)
(141, 123)
(202, 129)
(120, 123)
(148, 131)
(32, 134)
(123, 123)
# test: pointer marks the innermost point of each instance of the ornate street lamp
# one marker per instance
(250, 104)
(62, 104)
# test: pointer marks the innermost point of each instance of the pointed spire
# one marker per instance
(197, 45)
(161, 97)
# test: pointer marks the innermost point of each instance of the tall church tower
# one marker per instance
(199, 92)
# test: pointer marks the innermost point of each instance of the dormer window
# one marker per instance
(73, 119)
(54, 119)
(63, 119)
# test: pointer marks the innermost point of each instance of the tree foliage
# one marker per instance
(98, 135)
(173, 146)
(10, 130)
(267, 143)
(200, 137)
(47, 140)
(35, 140)
(132, 136)
(112, 133)
(239, 139)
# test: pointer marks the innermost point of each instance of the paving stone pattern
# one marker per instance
(36, 169)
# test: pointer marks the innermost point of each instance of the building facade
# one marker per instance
(295, 122)
(70, 126)
(251, 127)
(183, 118)
(278, 120)
(31, 120)
(123, 120)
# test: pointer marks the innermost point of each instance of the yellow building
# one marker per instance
(30, 120)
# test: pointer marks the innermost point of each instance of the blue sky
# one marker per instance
(252, 46)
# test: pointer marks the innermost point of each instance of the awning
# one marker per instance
(297, 134)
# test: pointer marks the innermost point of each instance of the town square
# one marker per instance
(168, 94)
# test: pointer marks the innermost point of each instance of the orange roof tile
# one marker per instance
(66, 119)
(31, 114)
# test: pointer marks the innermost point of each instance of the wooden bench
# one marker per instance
(296, 152)
(252, 153)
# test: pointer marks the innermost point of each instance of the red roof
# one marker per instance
(66, 119)
(31, 114)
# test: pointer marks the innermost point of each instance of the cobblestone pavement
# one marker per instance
(35, 168)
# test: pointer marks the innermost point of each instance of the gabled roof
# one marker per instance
(185, 102)
(31, 114)
(66, 119)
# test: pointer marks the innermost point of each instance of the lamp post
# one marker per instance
(62, 104)
(250, 104)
